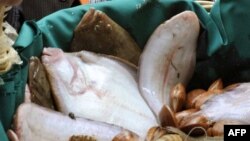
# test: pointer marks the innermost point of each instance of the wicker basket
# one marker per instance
(207, 4)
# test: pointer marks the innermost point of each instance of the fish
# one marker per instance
(212, 111)
(99, 88)
(236, 100)
(98, 33)
(168, 58)
(39, 86)
(36, 123)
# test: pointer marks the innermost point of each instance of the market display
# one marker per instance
(105, 89)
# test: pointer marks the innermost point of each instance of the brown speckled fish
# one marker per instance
(98, 33)
(39, 84)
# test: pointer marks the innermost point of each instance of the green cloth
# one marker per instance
(3, 136)
(222, 52)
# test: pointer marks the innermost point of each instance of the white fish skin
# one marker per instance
(233, 105)
(168, 58)
(97, 88)
(36, 123)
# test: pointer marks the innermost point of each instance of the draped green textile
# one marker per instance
(3, 136)
(223, 48)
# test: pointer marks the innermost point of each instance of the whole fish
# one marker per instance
(36, 123)
(168, 58)
(98, 88)
(99, 33)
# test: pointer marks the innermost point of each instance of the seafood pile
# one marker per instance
(107, 89)
(200, 111)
